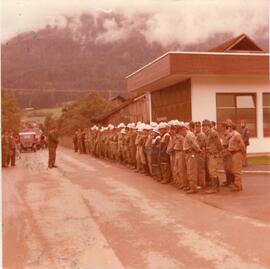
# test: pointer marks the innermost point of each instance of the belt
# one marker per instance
(212, 153)
(235, 151)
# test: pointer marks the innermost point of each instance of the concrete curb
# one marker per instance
(251, 172)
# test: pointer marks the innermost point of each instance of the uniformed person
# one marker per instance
(191, 149)
(110, 141)
(213, 148)
(114, 144)
(53, 140)
(83, 141)
(245, 136)
(120, 152)
(226, 155)
(170, 148)
(164, 156)
(5, 149)
(155, 155)
(80, 145)
(137, 141)
(180, 164)
(124, 146)
(96, 143)
(75, 141)
(141, 145)
(237, 149)
(148, 149)
(12, 149)
(201, 161)
(131, 145)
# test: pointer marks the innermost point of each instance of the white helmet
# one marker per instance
(131, 125)
(121, 125)
(153, 124)
(162, 125)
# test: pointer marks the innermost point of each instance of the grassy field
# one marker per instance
(259, 160)
(57, 111)
(39, 115)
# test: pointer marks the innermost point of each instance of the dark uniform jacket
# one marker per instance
(53, 139)
(212, 143)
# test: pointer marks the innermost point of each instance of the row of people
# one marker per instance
(183, 154)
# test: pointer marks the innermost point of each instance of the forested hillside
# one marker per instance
(57, 64)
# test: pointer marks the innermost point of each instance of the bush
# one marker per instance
(10, 113)
(78, 114)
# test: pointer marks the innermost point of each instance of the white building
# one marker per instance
(229, 81)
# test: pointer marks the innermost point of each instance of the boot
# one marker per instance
(146, 170)
(216, 180)
(192, 190)
(236, 188)
(228, 180)
(214, 186)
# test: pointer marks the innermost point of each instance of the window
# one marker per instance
(237, 107)
(266, 114)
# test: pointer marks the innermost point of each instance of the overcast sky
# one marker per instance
(170, 20)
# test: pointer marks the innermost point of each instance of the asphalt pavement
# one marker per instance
(95, 214)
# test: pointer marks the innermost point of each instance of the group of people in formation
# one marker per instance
(186, 155)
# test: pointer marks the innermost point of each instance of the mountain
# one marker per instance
(57, 64)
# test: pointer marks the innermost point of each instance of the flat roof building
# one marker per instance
(229, 81)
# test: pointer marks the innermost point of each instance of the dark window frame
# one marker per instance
(235, 94)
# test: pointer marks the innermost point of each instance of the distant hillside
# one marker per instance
(40, 66)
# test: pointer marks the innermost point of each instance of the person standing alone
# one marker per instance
(53, 140)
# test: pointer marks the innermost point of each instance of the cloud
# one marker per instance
(184, 21)
(113, 32)
(193, 21)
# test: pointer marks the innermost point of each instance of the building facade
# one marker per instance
(229, 81)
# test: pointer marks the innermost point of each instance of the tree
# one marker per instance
(78, 114)
(10, 113)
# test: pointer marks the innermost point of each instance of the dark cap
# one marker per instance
(206, 123)
(191, 124)
(224, 124)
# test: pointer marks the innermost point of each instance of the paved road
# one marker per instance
(91, 214)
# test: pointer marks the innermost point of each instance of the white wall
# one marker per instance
(203, 95)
